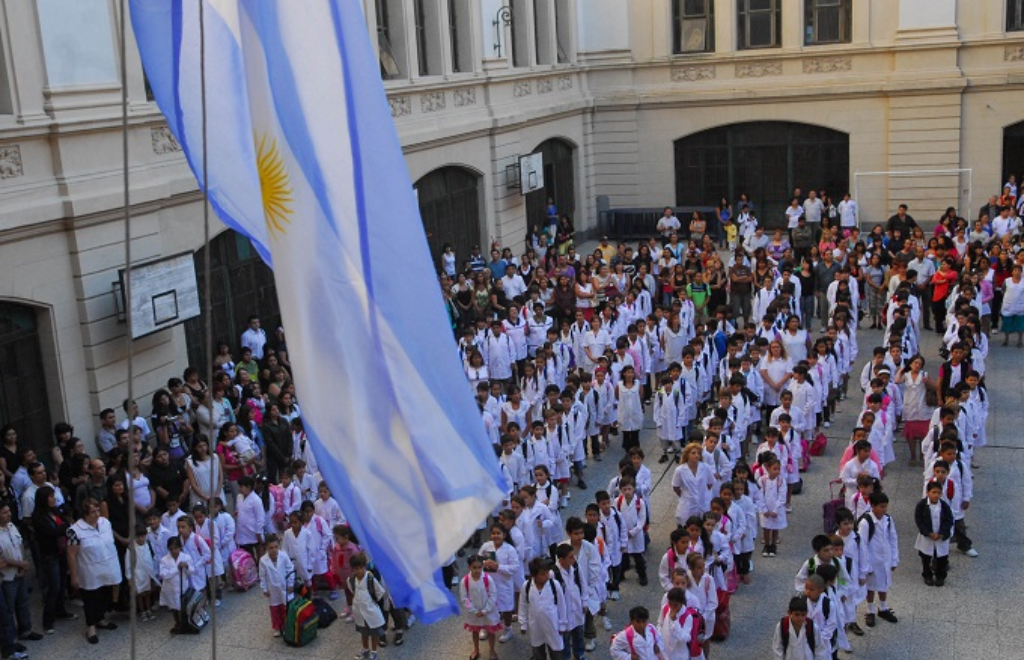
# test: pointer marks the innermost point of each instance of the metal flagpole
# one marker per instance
(128, 331)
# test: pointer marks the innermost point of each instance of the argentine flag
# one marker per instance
(304, 160)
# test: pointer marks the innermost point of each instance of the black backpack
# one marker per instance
(784, 631)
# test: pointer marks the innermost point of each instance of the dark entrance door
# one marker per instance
(1013, 153)
(449, 200)
(766, 160)
(23, 400)
(242, 285)
(559, 183)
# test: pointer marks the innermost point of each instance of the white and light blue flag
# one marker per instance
(303, 158)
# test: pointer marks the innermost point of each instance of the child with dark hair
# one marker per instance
(879, 532)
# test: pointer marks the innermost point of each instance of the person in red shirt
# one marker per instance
(942, 282)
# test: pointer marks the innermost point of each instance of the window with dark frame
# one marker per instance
(388, 64)
(760, 24)
(693, 26)
(453, 35)
(827, 22)
(420, 27)
(1014, 15)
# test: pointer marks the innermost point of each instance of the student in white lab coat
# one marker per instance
(879, 531)
(822, 610)
(542, 611)
(501, 563)
(276, 580)
(568, 574)
(320, 542)
(616, 541)
(296, 543)
(679, 626)
(198, 551)
(633, 510)
(249, 517)
(175, 568)
(146, 570)
(368, 603)
(705, 594)
(327, 507)
(478, 595)
(589, 562)
(796, 637)
(204, 529)
(639, 641)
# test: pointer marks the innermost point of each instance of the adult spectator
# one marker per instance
(902, 221)
(513, 282)
(171, 425)
(214, 414)
(824, 274)
(813, 208)
(95, 488)
(205, 472)
(49, 528)
(802, 237)
(1002, 224)
(668, 223)
(925, 268)
(793, 213)
(496, 265)
(847, 213)
(476, 260)
(607, 251)
(277, 438)
(21, 480)
(105, 436)
(254, 338)
(132, 417)
(990, 208)
(13, 568)
(92, 562)
(166, 478)
(741, 278)
(37, 473)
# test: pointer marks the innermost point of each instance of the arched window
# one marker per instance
(559, 182)
(766, 160)
(1013, 152)
(23, 399)
(449, 200)
(242, 285)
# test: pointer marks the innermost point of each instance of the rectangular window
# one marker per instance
(544, 38)
(827, 22)
(420, 25)
(453, 35)
(693, 26)
(389, 68)
(760, 24)
(1014, 15)
(5, 85)
(563, 31)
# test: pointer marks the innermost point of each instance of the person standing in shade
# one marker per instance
(254, 338)
(92, 560)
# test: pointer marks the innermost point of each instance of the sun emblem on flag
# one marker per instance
(275, 185)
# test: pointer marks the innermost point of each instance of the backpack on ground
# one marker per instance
(818, 445)
(325, 613)
(243, 567)
(193, 607)
(301, 623)
(831, 508)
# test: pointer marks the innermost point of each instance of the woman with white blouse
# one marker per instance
(776, 370)
(94, 567)
(795, 340)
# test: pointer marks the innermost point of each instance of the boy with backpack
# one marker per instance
(681, 628)
(633, 510)
(367, 605)
(796, 637)
(616, 541)
(276, 578)
(934, 520)
(639, 641)
(542, 611)
(567, 574)
(822, 611)
(879, 533)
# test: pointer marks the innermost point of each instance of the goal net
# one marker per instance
(927, 193)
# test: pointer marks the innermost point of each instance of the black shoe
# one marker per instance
(383, 641)
(93, 639)
(31, 636)
(869, 620)
(20, 648)
(663, 459)
(929, 580)
(582, 485)
(940, 582)
(65, 616)
(109, 625)
(888, 616)
(855, 629)
(642, 581)
(399, 639)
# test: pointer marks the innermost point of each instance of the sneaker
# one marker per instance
(50, 631)
(582, 485)
(855, 629)
(277, 633)
(373, 656)
(334, 595)
(411, 622)
(765, 552)
(590, 646)
(789, 508)
(940, 582)
(35, 637)
(365, 653)
(869, 620)
(614, 595)
(663, 459)
(507, 635)
(383, 640)
(642, 581)
(771, 550)
(482, 635)
(827, 425)
(607, 626)
(399, 638)
(597, 457)
(971, 552)
(216, 603)
(17, 655)
(888, 615)
(565, 502)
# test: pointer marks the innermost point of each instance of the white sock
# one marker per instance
(871, 608)
(883, 606)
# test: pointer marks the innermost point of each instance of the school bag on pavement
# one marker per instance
(324, 612)
(301, 622)
(819, 444)
(193, 608)
(723, 618)
(243, 567)
(829, 509)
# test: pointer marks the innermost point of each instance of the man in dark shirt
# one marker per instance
(741, 279)
(902, 221)
(824, 274)
(167, 479)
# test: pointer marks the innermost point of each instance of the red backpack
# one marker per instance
(696, 631)
(640, 509)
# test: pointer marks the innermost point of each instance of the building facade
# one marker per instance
(632, 104)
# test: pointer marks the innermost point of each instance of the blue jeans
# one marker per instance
(573, 644)
(16, 597)
(53, 573)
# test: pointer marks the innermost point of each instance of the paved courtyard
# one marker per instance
(974, 616)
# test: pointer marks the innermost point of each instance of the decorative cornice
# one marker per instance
(401, 106)
(564, 83)
(545, 85)
(828, 64)
(163, 141)
(693, 73)
(464, 96)
(758, 69)
(432, 102)
(10, 162)
(522, 88)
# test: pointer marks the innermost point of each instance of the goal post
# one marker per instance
(928, 193)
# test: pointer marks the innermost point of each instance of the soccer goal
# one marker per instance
(928, 193)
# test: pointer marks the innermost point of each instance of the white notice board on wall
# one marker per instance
(531, 173)
(164, 293)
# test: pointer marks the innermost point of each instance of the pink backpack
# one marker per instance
(277, 515)
(243, 567)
